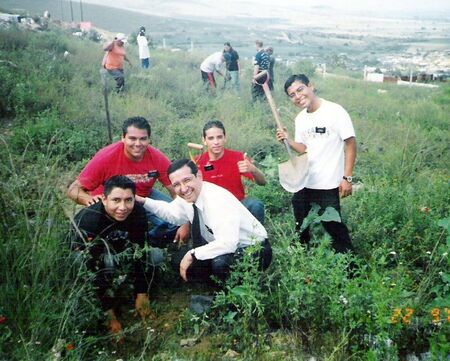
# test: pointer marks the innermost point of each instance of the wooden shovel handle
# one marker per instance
(276, 115)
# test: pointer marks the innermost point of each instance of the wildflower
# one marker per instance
(436, 313)
(3, 319)
(393, 253)
(425, 209)
(428, 252)
(70, 347)
(343, 300)
(38, 342)
(445, 254)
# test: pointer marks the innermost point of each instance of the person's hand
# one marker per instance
(139, 199)
(185, 264)
(246, 165)
(345, 188)
(115, 327)
(142, 305)
(94, 199)
(282, 134)
(183, 234)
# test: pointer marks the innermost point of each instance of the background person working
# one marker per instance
(261, 63)
(211, 64)
(233, 66)
(144, 52)
(269, 52)
(226, 167)
(114, 60)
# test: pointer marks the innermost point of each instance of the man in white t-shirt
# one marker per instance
(144, 52)
(212, 63)
(325, 131)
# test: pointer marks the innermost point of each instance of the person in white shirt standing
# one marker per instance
(221, 227)
(325, 131)
(144, 52)
(212, 63)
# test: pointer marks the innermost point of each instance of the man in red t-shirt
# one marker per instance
(226, 167)
(135, 158)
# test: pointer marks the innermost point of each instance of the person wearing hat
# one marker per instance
(114, 60)
(144, 52)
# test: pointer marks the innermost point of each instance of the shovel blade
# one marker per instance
(293, 174)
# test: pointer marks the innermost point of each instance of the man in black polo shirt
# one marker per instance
(233, 66)
(111, 235)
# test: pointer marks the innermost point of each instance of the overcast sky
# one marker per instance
(438, 7)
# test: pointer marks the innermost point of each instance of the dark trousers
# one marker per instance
(258, 91)
(302, 202)
(119, 77)
(220, 266)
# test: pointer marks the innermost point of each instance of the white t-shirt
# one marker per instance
(212, 62)
(323, 132)
(144, 52)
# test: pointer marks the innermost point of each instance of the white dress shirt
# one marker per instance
(224, 222)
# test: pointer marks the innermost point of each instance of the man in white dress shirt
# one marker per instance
(221, 232)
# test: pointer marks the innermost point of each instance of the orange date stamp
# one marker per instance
(405, 315)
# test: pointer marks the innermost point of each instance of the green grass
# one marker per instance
(53, 121)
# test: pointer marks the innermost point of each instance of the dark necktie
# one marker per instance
(196, 235)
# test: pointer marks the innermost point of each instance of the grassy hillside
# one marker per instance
(53, 120)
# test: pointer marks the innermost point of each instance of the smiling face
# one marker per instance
(119, 203)
(185, 184)
(136, 142)
(215, 140)
(303, 96)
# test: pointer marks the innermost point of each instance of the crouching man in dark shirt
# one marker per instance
(112, 235)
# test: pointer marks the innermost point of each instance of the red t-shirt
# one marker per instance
(224, 171)
(112, 160)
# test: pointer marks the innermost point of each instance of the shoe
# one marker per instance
(201, 303)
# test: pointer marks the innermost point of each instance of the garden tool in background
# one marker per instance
(195, 146)
(104, 76)
(293, 173)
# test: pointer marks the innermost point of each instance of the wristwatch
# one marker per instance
(348, 178)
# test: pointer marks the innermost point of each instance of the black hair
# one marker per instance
(213, 123)
(119, 181)
(302, 78)
(178, 164)
(137, 122)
